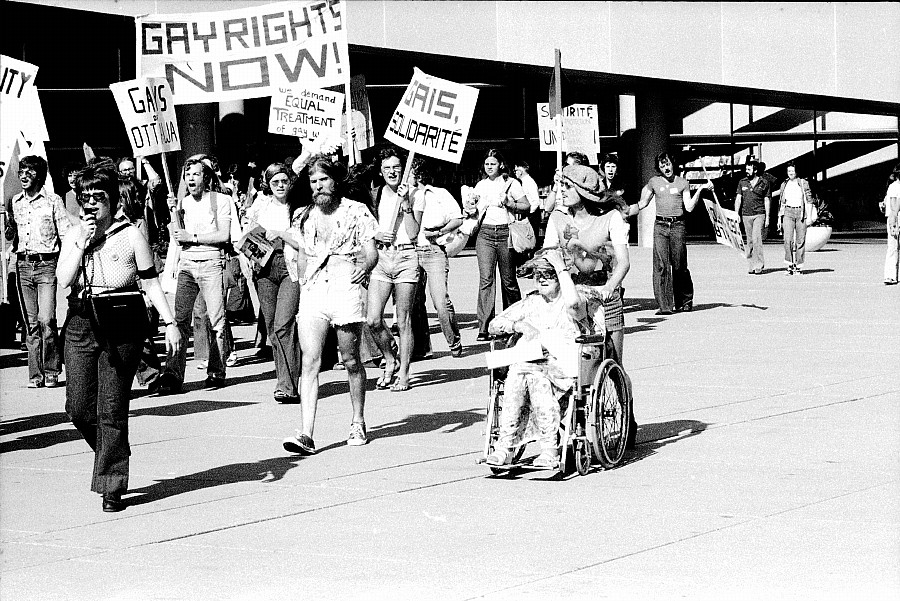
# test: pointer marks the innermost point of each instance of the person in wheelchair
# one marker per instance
(557, 309)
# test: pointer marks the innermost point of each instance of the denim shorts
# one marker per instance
(332, 297)
(397, 266)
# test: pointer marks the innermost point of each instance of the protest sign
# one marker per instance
(247, 52)
(581, 130)
(149, 115)
(726, 224)
(433, 117)
(306, 114)
(21, 116)
(363, 134)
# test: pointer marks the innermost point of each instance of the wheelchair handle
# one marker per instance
(590, 338)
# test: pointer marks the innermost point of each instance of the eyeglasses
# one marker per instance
(93, 197)
(279, 183)
(27, 171)
(127, 170)
(394, 169)
(545, 274)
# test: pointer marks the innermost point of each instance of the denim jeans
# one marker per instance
(278, 300)
(436, 269)
(37, 290)
(97, 397)
(753, 226)
(672, 284)
(891, 257)
(794, 236)
(492, 250)
(206, 278)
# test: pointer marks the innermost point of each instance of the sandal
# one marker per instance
(498, 457)
(398, 387)
(546, 460)
(386, 379)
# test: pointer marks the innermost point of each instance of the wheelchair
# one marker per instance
(594, 413)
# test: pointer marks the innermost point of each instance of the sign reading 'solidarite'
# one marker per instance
(433, 117)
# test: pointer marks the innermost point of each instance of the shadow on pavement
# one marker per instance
(265, 470)
(19, 359)
(187, 408)
(420, 423)
(652, 437)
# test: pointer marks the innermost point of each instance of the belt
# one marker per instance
(383, 246)
(662, 219)
(495, 227)
(38, 256)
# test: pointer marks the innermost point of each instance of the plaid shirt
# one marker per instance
(37, 224)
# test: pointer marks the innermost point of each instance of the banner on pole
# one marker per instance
(306, 114)
(148, 112)
(21, 116)
(360, 115)
(433, 117)
(726, 224)
(247, 52)
(581, 130)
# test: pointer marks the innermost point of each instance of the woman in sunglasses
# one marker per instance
(279, 290)
(592, 230)
(557, 310)
(103, 256)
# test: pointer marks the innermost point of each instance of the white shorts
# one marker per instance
(332, 296)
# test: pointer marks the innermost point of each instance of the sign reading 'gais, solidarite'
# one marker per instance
(433, 117)
(149, 115)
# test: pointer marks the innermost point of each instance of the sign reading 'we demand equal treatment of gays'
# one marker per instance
(247, 52)
(149, 115)
(433, 117)
(305, 114)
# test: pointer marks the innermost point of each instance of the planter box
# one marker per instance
(816, 237)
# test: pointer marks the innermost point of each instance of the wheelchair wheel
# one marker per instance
(608, 411)
(582, 457)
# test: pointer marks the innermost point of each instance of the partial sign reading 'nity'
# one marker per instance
(305, 113)
(433, 117)
(248, 52)
(149, 115)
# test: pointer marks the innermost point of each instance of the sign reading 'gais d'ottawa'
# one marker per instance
(149, 115)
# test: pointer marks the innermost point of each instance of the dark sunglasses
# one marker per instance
(93, 197)
(545, 274)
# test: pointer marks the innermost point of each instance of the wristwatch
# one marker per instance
(195, 239)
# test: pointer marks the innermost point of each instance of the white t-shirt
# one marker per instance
(793, 194)
(439, 209)
(491, 195)
(530, 187)
(388, 209)
(269, 213)
(199, 219)
(893, 191)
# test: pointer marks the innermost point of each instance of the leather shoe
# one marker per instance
(484, 337)
(112, 502)
(213, 383)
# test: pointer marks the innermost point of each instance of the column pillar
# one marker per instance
(196, 124)
(652, 138)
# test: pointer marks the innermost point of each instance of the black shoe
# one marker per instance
(664, 312)
(213, 383)
(484, 337)
(264, 353)
(112, 502)
(287, 399)
(685, 308)
(456, 350)
(167, 384)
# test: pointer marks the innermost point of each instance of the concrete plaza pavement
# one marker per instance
(768, 466)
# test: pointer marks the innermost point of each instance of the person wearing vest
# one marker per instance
(205, 231)
(793, 195)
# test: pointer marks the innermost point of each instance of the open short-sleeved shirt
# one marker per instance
(753, 196)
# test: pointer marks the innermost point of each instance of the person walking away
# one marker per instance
(335, 238)
(753, 202)
(672, 283)
(36, 221)
(890, 206)
(201, 270)
(794, 195)
(495, 195)
(440, 215)
(105, 256)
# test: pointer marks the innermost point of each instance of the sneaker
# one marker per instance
(202, 364)
(231, 361)
(483, 337)
(301, 444)
(37, 382)
(51, 380)
(357, 436)
(213, 383)
(456, 350)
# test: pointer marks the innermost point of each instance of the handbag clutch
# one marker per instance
(119, 315)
